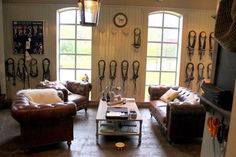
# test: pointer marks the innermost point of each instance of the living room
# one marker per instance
(110, 40)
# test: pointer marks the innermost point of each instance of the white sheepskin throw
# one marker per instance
(42, 96)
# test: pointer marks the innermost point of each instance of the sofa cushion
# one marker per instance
(159, 109)
(76, 98)
(170, 95)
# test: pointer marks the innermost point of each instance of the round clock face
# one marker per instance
(120, 20)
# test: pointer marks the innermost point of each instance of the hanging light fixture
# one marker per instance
(89, 11)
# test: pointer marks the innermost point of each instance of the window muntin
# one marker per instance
(162, 49)
(74, 46)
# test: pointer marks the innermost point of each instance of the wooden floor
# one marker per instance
(154, 144)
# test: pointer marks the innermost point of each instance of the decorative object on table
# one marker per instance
(135, 67)
(133, 114)
(211, 43)
(191, 43)
(101, 71)
(117, 113)
(46, 69)
(112, 95)
(120, 20)
(202, 44)
(120, 146)
(28, 36)
(112, 66)
(89, 11)
(137, 38)
(124, 72)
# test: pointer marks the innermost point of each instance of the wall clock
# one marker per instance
(120, 20)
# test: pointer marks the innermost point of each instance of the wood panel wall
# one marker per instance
(107, 45)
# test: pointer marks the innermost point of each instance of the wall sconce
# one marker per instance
(89, 11)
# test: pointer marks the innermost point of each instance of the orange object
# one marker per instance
(120, 146)
(213, 125)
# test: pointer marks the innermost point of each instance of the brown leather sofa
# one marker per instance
(181, 119)
(43, 124)
(77, 92)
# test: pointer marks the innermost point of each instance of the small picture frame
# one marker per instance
(28, 36)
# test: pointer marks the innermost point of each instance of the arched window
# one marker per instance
(163, 49)
(74, 46)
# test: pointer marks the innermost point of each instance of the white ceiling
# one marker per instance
(191, 4)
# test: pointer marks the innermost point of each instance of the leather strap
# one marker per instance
(137, 37)
(113, 66)
(10, 70)
(33, 67)
(200, 72)
(46, 69)
(22, 73)
(209, 70)
(191, 43)
(211, 42)
(189, 73)
(202, 44)
(135, 67)
(124, 72)
(101, 71)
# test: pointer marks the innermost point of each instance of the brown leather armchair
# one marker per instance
(43, 124)
(75, 91)
(181, 119)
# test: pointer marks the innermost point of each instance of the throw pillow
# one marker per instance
(42, 96)
(59, 85)
(170, 95)
(192, 99)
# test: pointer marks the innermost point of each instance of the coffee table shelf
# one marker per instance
(118, 127)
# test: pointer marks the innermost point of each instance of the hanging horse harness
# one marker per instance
(124, 72)
(189, 73)
(202, 44)
(200, 72)
(22, 72)
(209, 70)
(191, 43)
(211, 41)
(135, 67)
(137, 37)
(10, 70)
(101, 71)
(113, 66)
(46, 69)
(33, 65)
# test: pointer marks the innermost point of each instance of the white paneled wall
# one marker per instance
(197, 21)
(116, 44)
(109, 41)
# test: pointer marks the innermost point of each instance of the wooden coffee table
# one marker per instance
(119, 127)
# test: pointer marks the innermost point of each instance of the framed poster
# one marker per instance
(28, 36)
